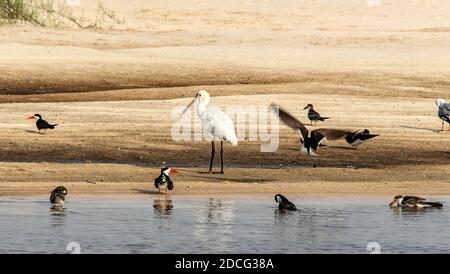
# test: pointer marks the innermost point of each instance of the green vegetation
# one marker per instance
(54, 14)
(12, 11)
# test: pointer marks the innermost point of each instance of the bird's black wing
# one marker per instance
(316, 139)
(444, 113)
(291, 206)
(313, 115)
(161, 179)
(169, 184)
(351, 137)
(53, 197)
(357, 135)
(364, 137)
(319, 135)
(286, 204)
(44, 124)
(412, 200)
(290, 120)
(332, 134)
(434, 204)
(447, 107)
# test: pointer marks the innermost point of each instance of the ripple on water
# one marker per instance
(169, 225)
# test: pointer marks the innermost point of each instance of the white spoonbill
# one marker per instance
(217, 126)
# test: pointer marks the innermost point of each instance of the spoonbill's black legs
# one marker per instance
(213, 151)
(221, 157)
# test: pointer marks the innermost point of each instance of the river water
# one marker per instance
(145, 224)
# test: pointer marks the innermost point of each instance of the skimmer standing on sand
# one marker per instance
(41, 124)
(314, 115)
(216, 125)
(357, 138)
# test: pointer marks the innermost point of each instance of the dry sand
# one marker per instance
(112, 91)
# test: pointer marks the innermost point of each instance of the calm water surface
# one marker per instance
(201, 225)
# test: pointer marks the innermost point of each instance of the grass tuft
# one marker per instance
(50, 13)
(12, 11)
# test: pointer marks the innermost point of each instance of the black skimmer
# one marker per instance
(443, 112)
(412, 201)
(58, 197)
(314, 115)
(310, 140)
(41, 124)
(163, 180)
(357, 138)
(284, 203)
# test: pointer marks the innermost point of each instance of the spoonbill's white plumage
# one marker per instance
(217, 125)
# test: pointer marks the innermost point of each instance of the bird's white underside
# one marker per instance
(357, 142)
(58, 202)
(304, 150)
(322, 140)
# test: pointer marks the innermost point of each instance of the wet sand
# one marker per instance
(113, 179)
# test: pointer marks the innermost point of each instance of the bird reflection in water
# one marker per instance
(409, 211)
(215, 207)
(214, 219)
(57, 216)
(163, 206)
(283, 216)
(57, 210)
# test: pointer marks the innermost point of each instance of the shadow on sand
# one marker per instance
(146, 191)
(236, 180)
(421, 128)
(32, 131)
